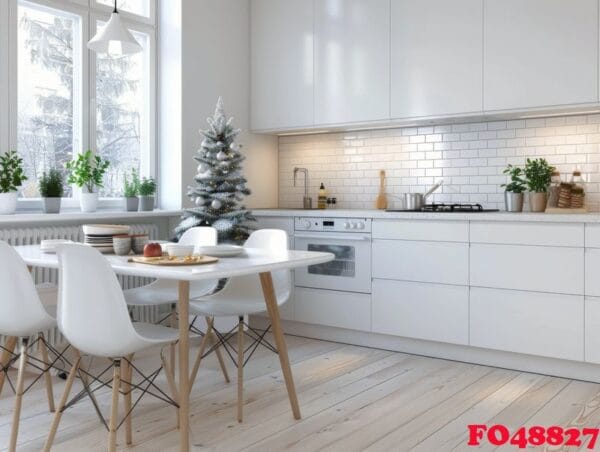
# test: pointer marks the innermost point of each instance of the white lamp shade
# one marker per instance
(114, 39)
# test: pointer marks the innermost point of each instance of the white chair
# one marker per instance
(23, 317)
(164, 291)
(93, 317)
(241, 296)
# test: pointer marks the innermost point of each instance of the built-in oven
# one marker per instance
(349, 239)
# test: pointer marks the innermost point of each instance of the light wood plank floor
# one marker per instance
(352, 398)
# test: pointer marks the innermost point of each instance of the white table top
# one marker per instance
(251, 262)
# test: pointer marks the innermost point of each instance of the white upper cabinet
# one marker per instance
(352, 61)
(282, 64)
(437, 60)
(540, 53)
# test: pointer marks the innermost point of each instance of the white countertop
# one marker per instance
(76, 215)
(593, 217)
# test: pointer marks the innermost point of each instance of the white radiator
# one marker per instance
(33, 236)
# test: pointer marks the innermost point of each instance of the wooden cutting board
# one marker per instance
(165, 260)
(381, 201)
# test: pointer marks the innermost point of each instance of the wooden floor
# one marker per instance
(352, 398)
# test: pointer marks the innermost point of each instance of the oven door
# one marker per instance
(350, 270)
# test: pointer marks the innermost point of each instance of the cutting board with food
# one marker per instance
(174, 261)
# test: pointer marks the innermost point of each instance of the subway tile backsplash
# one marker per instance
(469, 157)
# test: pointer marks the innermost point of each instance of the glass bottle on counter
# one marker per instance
(322, 200)
(554, 189)
(577, 191)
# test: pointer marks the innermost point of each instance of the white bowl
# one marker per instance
(176, 250)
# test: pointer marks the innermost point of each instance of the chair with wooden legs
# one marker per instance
(93, 317)
(243, 296)
(165, 291)
(23, 319)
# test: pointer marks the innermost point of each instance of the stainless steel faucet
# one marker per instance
(306, 201)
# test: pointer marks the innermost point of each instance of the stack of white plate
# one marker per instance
(100, 236)
(49, 245)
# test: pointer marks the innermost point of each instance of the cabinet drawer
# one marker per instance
(442, 262)
(549, 234)
(434, 312)
(592, 235)
(435, 231)
(592, 330)
(527, 322)
(536, 268)
(332, 308)
(592, 272)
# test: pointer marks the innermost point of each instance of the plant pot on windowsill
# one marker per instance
(513, 201)
(538, 201)
(88, 202)
(8, 203)
(51, 205)
(146, 203)
(87, 171)
(131, 203)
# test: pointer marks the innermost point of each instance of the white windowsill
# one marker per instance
(75, 215)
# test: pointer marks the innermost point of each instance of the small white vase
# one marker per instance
(88, 202)
(8, 203)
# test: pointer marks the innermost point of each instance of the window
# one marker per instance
(64, 99)
(49, 66)
(139, 7)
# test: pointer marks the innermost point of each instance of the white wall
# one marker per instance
(215, 54)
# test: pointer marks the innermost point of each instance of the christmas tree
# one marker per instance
(220, 184)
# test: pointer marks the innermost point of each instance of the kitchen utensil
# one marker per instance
(416, 201)
(381, 201)
(174, 261)
(221, 250)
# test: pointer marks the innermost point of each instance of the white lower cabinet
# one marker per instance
(533, 323)
(333, 308)
(437, 262)
(592, 272)
(535, 268)
(592, 330)
(434, 312)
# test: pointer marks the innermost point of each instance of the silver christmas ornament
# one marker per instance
(221, 156)
(215, 204)
(202, 168)
(198, 201)
(234, 146)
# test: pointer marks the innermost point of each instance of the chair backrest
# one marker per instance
(92, 313)
(274, 241)
(21, 309)
(199, 236)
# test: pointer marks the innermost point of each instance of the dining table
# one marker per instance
(251, 261)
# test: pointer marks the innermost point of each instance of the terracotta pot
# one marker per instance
(538, 201)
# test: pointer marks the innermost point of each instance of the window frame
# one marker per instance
(90, 13)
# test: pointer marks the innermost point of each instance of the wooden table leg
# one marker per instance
(184, 371)
(266, 282)
(11, 343)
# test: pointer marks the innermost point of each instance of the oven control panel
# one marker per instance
(333, 224)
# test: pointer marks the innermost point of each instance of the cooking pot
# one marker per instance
(416, 201)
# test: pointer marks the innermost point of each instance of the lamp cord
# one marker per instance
(115, 10)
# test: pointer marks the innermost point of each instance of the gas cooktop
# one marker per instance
(458, 208)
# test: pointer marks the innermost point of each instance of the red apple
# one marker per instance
(152, 250)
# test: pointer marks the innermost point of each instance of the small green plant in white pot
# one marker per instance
(52, 190)
(131, 189)
(539, 175)
(147, 191)
(87, 172)
(12, 176)
(515, 189)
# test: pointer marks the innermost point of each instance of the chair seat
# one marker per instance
(164, 291)
(226, 307)
(156, 334)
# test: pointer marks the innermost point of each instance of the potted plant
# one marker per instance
(87, 172)
(131, 190)
(513, 191)
(146, 190)
(11, 177)
(539, 175)
(51, 189)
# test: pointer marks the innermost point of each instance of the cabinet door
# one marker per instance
(352, 61)
(434, 312)
(540, 53)
(592, 330)
(281, 64)
(437, 60)
(527, 322)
